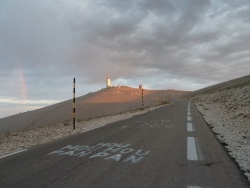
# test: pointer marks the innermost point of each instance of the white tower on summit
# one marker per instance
(108, 82)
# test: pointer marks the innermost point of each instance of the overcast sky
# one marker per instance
(161, 44)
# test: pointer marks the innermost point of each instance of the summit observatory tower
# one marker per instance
(108, 82)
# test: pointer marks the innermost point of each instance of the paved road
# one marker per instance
(169, 147)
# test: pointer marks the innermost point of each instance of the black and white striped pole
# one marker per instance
(74, 103)
(142, 102)
(167, 98)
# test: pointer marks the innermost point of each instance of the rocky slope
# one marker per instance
(105, 102)
(226, 108)
(19, 140)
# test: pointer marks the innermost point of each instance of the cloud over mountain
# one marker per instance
(185, 44)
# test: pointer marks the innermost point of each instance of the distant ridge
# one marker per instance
(108, 101)
(238, 82)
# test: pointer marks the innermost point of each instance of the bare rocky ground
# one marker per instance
(15, 141)
(227, 112)
(105, 102)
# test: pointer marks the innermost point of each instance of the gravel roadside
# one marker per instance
(15, 141)
(227, 112)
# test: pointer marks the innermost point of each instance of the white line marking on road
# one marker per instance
(169, 126)
(189, 118)
(194, 187)
(189, 113)
(190, 127)
(92, 128)
(125, 126)
(191, 149)
(19, 151)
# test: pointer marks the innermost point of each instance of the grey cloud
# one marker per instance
(53, 41)
(159, 7)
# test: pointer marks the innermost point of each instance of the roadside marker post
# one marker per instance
(74, 104)
(168, 97)
(142, 101)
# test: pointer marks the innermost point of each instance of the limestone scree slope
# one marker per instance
(226, 109)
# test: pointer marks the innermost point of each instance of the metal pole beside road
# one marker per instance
(142, 102)
(74, 104)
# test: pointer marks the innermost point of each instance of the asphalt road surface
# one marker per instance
(168, 147)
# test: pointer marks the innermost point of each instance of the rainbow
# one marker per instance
(22, 79)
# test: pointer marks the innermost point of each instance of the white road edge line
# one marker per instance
(190, 127)
(19, 151)
(92, 128)
(191, 149)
